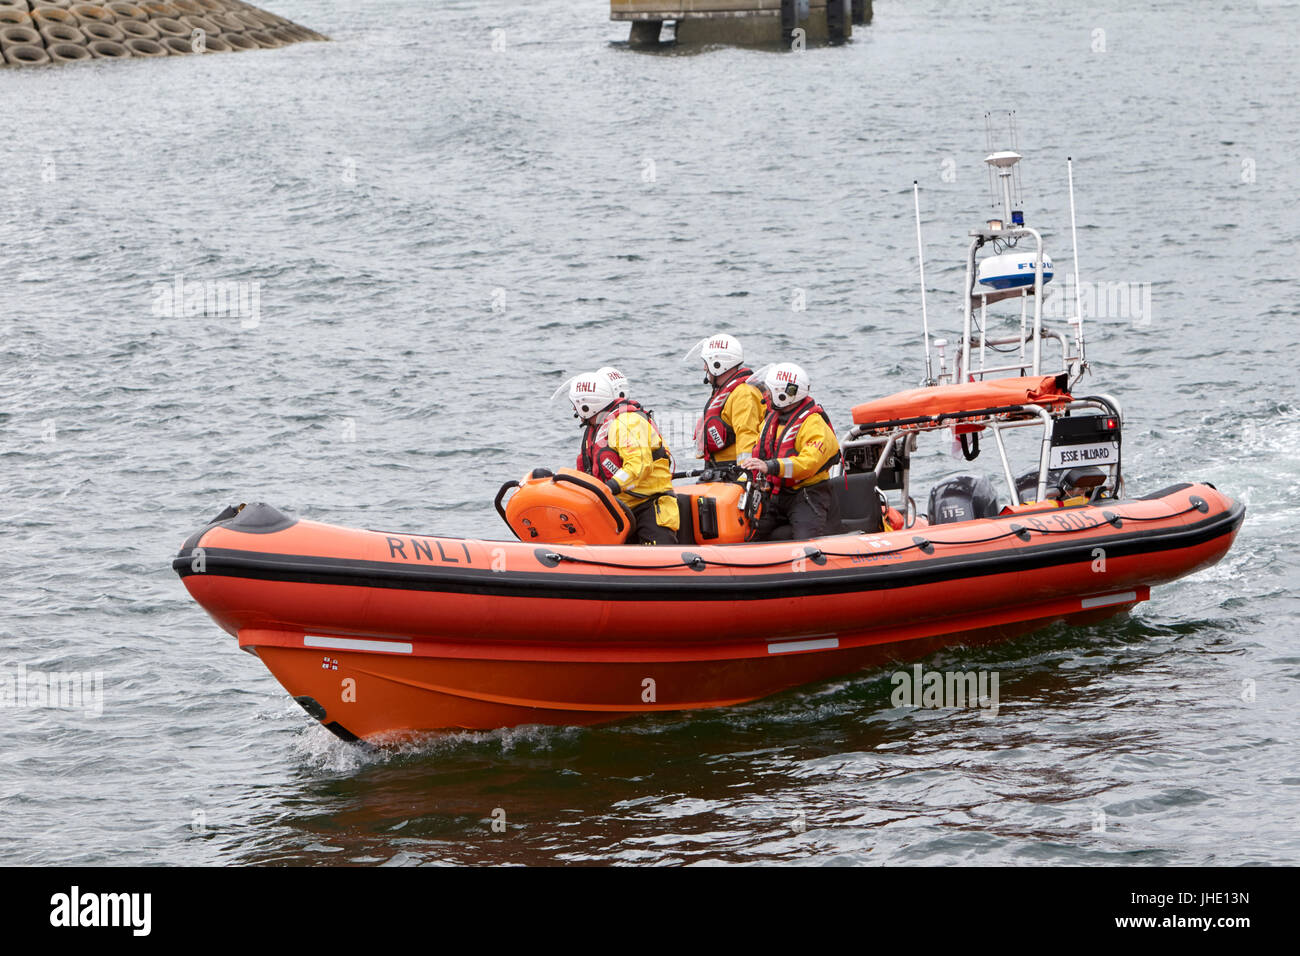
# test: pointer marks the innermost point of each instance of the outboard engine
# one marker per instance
(1061, 483)
(962, 498)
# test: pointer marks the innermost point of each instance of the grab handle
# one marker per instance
(622, 516)
(502, 511)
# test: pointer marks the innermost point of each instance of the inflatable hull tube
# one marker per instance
(438, 632)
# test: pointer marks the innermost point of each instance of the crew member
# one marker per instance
(728, 429)
(797, 451)
(622, 446)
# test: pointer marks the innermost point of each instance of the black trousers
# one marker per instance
(648, 530)
(800, 515)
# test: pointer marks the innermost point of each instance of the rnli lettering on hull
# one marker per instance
(423, 550)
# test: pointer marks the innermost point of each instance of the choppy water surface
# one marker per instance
(441, 232)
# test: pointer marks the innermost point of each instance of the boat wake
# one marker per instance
(318, 750)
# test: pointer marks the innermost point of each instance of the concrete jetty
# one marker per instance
(774, 23)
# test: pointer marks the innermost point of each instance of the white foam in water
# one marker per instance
(321, 750)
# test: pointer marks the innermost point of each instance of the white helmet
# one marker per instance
(720, 353)
(617, 380)
(787, 383)
(590, 393)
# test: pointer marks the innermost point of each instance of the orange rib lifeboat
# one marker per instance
(381, 635)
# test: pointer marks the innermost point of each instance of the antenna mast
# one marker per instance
(1074, 238)
(920, 258)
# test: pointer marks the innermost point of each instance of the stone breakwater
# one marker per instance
(41, 32)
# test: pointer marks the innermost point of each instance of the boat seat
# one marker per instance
(686, 517)
(859, 503)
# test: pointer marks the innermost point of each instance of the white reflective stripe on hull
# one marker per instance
(787, 646)
(1128, 597)
(357, 644)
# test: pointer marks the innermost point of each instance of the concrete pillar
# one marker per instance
(645, 33)
(838, 20)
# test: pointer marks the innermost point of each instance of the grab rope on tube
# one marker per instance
(927, 545)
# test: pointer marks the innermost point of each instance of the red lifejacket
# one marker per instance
(779, 438)
(596, 457)
(712, 433)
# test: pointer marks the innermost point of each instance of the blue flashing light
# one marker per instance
(1018, 217)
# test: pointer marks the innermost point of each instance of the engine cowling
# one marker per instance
(564, 507)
